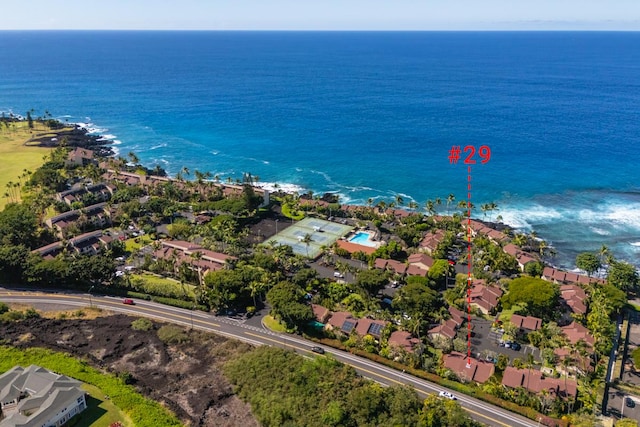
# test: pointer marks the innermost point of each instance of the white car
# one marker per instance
(447, 395)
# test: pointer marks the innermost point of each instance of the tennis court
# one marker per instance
(323, 233)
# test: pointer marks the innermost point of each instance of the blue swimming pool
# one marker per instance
(363, 238)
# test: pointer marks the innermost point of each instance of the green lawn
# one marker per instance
(296, 215)
(124, 401)
(135, 243)
(16, 156)
(158, 285)
(273, 324)
(101, 412)
(505, 315)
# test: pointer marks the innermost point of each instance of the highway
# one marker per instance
(480, 411)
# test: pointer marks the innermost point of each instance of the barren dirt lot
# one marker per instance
(185, 377)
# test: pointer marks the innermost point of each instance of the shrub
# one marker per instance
(12, 316)
(171, 334)
(3, 307)
(142, 324)
(636, 357)
(31, 313)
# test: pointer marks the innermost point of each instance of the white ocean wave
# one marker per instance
(600, 231)
(636, 244)
(281, 186)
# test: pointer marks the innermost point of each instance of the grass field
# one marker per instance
(123, 404)
(135, 243)
(273, 324)
(16, 157)
(157, 285)
(101, 412)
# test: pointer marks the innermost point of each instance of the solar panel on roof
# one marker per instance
(348, 326)
(375, 329)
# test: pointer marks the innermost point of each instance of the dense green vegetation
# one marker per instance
(143, 412)
(538, 296)
(285, 389)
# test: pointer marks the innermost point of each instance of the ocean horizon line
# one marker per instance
(345, 31)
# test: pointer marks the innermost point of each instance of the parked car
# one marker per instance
(128, 301)
(515, 346)
(317, 349)
(629, 402)
(338, 275)
(447, 395)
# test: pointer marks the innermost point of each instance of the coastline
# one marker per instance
(550, 222)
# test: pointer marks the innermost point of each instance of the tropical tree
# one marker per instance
(623, 276)
(450, 199)
(588, 262)
(307, 239)
(133, 158)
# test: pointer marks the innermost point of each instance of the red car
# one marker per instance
(128, 301)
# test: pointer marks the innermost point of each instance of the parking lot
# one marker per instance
(621, 405)
(485, 343)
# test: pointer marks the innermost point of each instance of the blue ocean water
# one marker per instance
(367, 115)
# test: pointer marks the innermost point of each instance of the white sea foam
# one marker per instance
(107, 137)
(636, 244)
(600, 231)
(155, 147)
(280, 186)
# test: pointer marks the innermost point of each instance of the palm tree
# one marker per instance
(413, 205)
(369, 202)
(133, 158)
(529, 362)
(399, 200)
(306, 240)
(450, 199)
(429, 207)
(438, 202)
(484, 208)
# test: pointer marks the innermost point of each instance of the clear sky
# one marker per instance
(322, 14)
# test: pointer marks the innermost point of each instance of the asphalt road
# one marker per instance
(480, 411)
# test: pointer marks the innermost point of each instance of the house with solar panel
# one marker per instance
(342, 322)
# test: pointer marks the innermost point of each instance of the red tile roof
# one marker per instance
(485, 297)
(535, 382)
(414, 270)
(321, 313)
(404, 340)
(337, 319)
(576, 332)
(354, 247)
(397, 266)
(371, 327)
(431, 240)
(529, 322)
(478, 371)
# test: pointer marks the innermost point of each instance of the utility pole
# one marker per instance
(90, 301)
